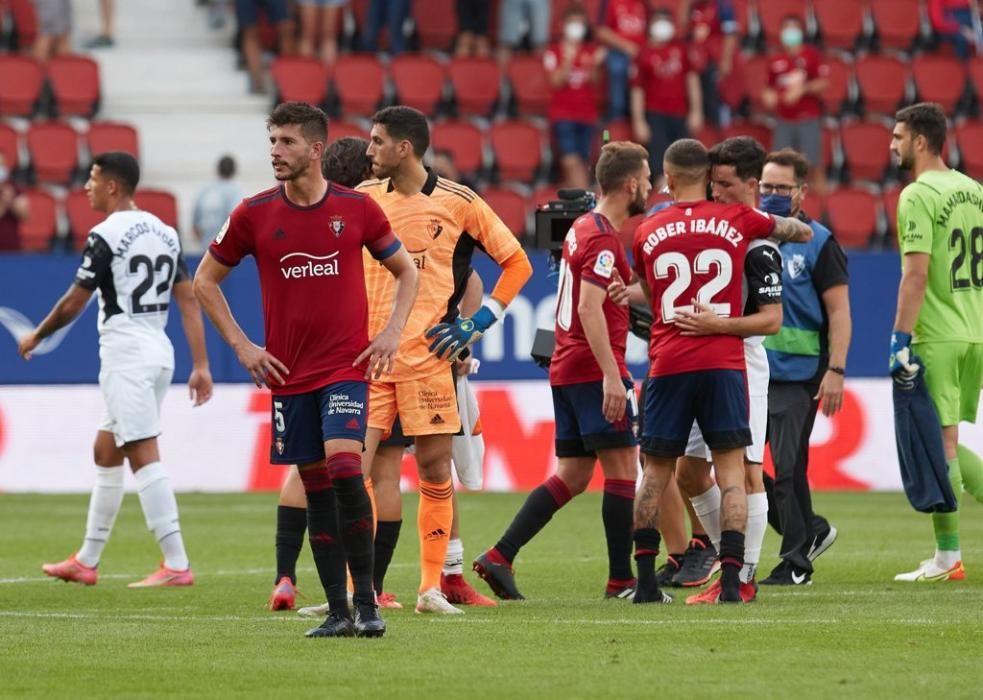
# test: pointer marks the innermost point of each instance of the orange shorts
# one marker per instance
(425, 406)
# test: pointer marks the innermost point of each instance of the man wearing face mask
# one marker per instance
(666, 100)
(807, 360)
(622, 28)
(14, 208)
(573, 68)
(797, 78)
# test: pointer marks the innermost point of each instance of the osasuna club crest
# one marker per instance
(337, 225)
(278, 444)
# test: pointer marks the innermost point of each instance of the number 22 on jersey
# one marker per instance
(675, 265)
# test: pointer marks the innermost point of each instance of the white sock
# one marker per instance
(946, 559)
(104, 504)
(160, 510)
(707, 507)
(454, 561)
(754, 534)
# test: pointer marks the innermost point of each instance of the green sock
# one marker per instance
(947, 524)
(971, 467)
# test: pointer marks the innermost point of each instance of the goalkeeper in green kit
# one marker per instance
(940, 307)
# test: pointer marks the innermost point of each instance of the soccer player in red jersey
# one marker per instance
(690, 254)
(307, 235)
(593, 394)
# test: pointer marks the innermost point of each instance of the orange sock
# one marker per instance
(434, 520)
(370, 488)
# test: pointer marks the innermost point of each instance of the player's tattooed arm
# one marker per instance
(788, 229)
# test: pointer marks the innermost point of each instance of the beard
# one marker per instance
(293, 171)
(637, 205)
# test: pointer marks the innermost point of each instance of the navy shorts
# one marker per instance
(396, 438)
(716, 399)
(247, 12)
(573, 138)
(302, 423)
(582, 429)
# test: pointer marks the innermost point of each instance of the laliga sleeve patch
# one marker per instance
(222, 231)
(604, 265)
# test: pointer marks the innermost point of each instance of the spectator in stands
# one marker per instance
(14, 208)
(572, 66)
(666, 101)
(473, 19)
(443, 164)
(391, 13)
(952, 21)
(247, 14)
(797, 78)
(107, 13)
(320, 19)
(711, 28)
(54, 28)
(622, 27)
(519, 19)
(213, 205)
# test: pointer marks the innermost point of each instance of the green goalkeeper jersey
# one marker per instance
(941, 214)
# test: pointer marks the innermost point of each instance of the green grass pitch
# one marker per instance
(853, 633)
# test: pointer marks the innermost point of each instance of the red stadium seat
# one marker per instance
(896, 21)
(812, 205)
(975, 68)
(742, 14)
(518, 149)
(882, 82)
(419, 82)
(510, 207)
(54, 152)
(755, 81)
(841, 22)
(300, 79)
(41, 224)
(74, 83)
(828, 147)
(890, 199)
(530, 86)
(113, 136)
(359, 83)
(464, 142)
(476, 83)
(338, 129)
(970, 139)
(436, 23)
(8, 146)
(25, 22)
(866, 149)
(772, 12)
(82, 218)
(21, 79)
(160, 203)
(619, 130)
(760, 132)
(939, 79)
(852, 215)
(708, 136)
(838, 89)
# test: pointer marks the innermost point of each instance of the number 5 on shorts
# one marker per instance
(278, 420)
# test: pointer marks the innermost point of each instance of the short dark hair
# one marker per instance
(345, 161)
(313, 122)
(121, 167)
(619, 160)
(689, 157)
(792, 17)
(743, 152)
(575, 9)
(405, 124)
(226, 167)
(790, 158)
(925, 119)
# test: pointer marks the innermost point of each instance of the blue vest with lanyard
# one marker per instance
(794, 352)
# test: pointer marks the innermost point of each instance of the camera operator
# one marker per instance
(593, 395)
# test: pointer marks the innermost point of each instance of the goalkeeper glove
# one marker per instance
(451, 340)
(901, 361)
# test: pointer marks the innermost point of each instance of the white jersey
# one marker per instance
(133, 259)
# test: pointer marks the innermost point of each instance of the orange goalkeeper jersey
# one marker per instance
(440, 227)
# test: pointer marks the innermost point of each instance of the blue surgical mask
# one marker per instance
(780, 204)
(791, 37)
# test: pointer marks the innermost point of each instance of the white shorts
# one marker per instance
(133, 398)
(756, 359)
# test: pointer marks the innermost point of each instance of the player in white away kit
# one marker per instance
(134, 261)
